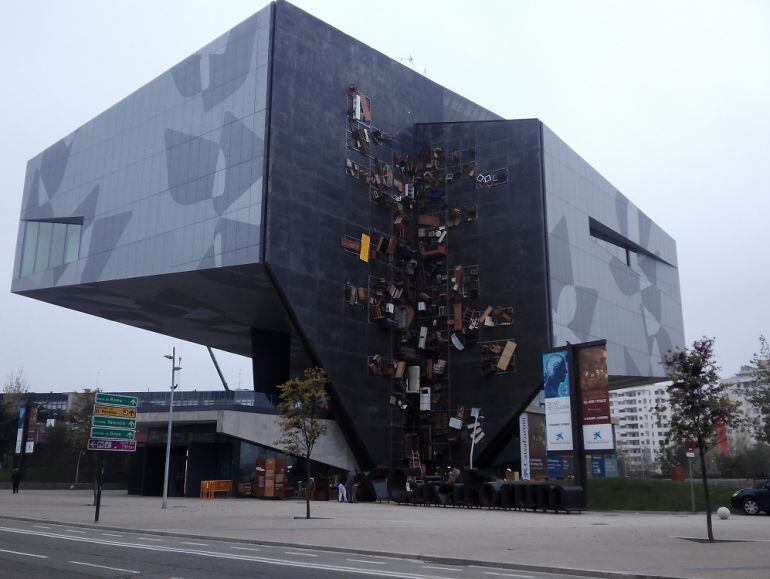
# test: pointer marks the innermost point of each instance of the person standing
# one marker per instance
(343, 496)
(16, 479)
(350, 486)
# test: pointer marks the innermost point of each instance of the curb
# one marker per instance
(421, 557)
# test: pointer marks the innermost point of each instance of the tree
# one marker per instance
(15, 388)
(699, 406)
(747, 461)
(759, 391)
(79, 418)
(669, 457)
(303, 404)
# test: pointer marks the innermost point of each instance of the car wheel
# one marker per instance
(750, 507)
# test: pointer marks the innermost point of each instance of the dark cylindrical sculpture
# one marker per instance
(419, 492)
(458, 496)
(445, 495)
(472, 479)
(366, 492)
(470, 496)
(489, 494)
(508, 496)
(434, 488)
(573, 498)
(556, 498)
(397, 483)
(376, 484)
(530, 502)
(520, 492)
(543, 492)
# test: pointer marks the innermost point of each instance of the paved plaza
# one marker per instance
(648, 544)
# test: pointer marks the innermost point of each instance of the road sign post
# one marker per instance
(113, 429)
(99, 481)
(689, 449)
(109, 421)
(113, 433)
(114, 411)
(116, 400)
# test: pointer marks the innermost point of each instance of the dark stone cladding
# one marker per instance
(507, 242)
(312, 203)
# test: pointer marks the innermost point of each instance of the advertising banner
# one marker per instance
(29, 447)
(20, 428)
(610, 466)
(597, 467)
(558, 411)
(524, 445)
(595, 399)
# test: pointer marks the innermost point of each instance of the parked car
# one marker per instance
(753, 500)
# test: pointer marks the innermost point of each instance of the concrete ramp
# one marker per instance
(264, 429)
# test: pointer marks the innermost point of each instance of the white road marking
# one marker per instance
(232, 556)
(245, 549)
(111, 535)
(194, 544)
(25, 554)
(105, 567)
(41, 526)
(302, 554)
(75, 531)
(148, 539)
(363, 561)
(441, 568)
(508, 575)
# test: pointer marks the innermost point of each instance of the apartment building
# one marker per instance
(641, 429)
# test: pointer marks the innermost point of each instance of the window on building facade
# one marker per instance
(48, 244)
(624, 248)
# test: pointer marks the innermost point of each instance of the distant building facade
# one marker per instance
(640, 429)
(737, 388)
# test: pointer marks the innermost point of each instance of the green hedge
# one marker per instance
(631, 494)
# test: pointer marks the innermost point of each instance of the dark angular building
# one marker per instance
(288, 193)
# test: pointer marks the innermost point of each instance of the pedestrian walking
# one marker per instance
(16, 479)
(343, 495)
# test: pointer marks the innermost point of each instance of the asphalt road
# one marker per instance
(48, 550)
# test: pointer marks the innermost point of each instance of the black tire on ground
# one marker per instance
(750, 507)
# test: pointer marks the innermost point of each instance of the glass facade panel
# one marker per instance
(180, 160)
(57, 244)
(48, 244)
(30, 245)
(44, 234)
(72, 243)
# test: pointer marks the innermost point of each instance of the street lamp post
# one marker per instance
(77, 466)
(174, 369)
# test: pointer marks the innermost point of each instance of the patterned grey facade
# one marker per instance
(167, 180)
(597, 291)
(210, 206)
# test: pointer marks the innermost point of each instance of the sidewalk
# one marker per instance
(642, 544)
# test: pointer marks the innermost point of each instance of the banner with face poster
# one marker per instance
(595, 398)
(558, 410)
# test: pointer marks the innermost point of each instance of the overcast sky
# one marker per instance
(670, 101)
